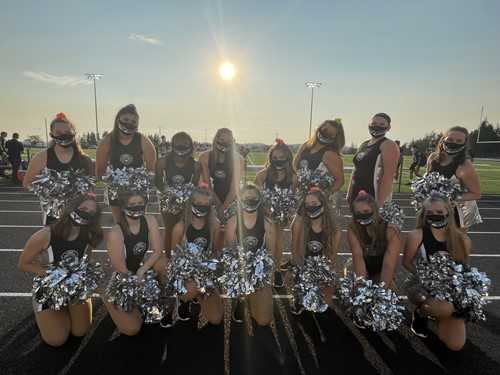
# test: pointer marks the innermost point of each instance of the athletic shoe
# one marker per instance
(238, 313)
(183, 311)
(419, 325)
(167, 321)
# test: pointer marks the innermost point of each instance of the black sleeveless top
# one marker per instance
(446, 170)
(77, 162)
(130, 155)
(176, 175)
(373, 255)
(316, 243)
(311, 160)
(364, 162)
(60, 248)
(136, 246)
(430, 243)
(221, 175)
(200, 237)
(283, 184)
(252, 239)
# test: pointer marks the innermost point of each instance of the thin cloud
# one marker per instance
(146, 39)
(63, 81)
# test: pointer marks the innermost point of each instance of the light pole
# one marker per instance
(312, 85)
(94, 77)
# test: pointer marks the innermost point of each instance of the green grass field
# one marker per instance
(488, 170)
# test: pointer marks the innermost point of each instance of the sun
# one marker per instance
(227, 71)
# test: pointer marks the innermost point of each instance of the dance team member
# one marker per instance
(436, 232)
(178, 167)
(450, 159)
(375, 163)
(277, 173)
(127, 244)
(75, 234)
(64, 153)
(124, 147)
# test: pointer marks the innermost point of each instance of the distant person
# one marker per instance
(416, 163)
(400, 162)
(14, 150)
(375, 163)
(3, 150)
(163, 147)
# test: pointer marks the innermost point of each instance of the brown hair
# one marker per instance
(271, 172)
(374, 236)
(440, 150)
(62, 227)
(336, 146)
(328, 223)
(456, 239)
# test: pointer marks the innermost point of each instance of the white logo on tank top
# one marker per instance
(220, 173)
(250, 243)
(70, 256)
(178, 179)
(314, 246)
(139, 248)
(201, 242)
(126, 159)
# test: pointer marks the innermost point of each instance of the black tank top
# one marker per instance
(311, 160)
(60, 248)
(220, 174)
(374, 254)
(176, 175)
(77, 162)
(364, 162)
(252, 239)
(269, 184)
(130, 155)
(200, 237)
(431, 245)
(136, 246)
(446, 170)
(316, 243)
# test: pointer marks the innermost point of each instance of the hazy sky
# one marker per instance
(429, 64)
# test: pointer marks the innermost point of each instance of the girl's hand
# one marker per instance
(140, 273)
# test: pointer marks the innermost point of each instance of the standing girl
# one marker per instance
(124, 147)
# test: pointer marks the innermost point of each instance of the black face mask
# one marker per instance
(364, 219)
(251, 205)
(64, 140)
(324, 139)
(278, 163)
(127, 128)
(80, 218)
(200, 210)
(452, 148)
(222, 147)
(135, 212)
(437, 221)
(313, 212)
(377, 131)
(181, 150)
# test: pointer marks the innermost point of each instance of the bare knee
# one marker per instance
(80, 331)
(455, 344)
(214, 319)
(263, 319)
(130, 330)
(55, 341)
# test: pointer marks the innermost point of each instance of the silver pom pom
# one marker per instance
(228, 213)
(190, 262)
(55, 189)
(174, 198)
(316, 272)
(149, 297)
(371, 304)
(280, 204)
(127, 179)
(123, 291)
(320, 178)
(463, 286)
(245, 272)
(393, 214)
(69, 282)
(434, 183)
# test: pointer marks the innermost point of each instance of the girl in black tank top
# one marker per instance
(364, 162)
(221, 176)
(430, 245)
(252, 239)
(201, 237)
(311, 160)
(315, 243)
(66, 242)
(136, 245)
(77, 162)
